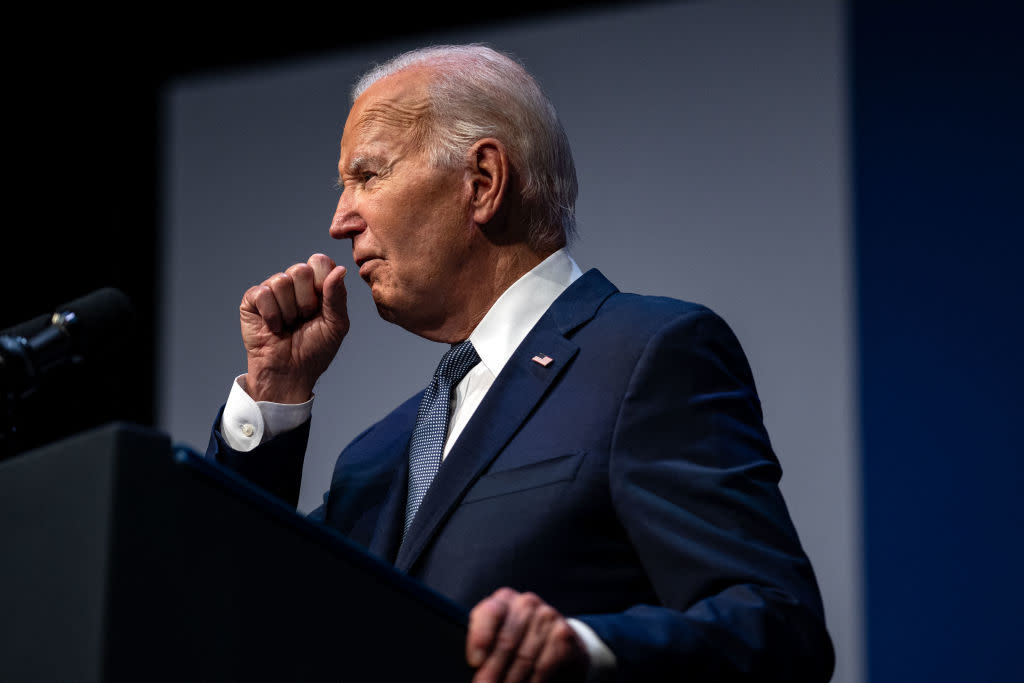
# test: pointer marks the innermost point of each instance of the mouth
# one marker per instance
(366, 265)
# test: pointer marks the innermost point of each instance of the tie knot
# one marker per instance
(456, 362)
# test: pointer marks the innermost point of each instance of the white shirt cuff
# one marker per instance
(602, 659)
(246, 423)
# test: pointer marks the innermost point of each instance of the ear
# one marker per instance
(489, 172)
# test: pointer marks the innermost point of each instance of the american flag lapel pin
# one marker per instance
(542, 359)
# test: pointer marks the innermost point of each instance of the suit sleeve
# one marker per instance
(694, 482)
(275, 465)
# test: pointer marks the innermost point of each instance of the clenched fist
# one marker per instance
(292, 326)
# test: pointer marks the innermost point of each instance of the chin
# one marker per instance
(386, 313)
(405, 317)
(389, 312)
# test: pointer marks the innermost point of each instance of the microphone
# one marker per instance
(36, 355)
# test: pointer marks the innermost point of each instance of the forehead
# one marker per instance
(390, 112)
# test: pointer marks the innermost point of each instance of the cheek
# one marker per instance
(422, 234)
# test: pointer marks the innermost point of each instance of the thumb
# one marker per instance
(335, 306)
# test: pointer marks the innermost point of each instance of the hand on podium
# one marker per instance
(517, 637)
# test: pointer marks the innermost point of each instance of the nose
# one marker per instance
(347, 222)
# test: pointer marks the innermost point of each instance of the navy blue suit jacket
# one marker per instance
(630, 484)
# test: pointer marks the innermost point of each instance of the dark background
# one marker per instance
(935, 116)
(936, 111)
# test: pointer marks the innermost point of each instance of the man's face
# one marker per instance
(409, 222)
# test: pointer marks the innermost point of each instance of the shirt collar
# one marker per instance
(519, 308)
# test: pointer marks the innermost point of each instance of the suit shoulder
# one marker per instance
(594, 299)
(637, 321)
(645, 310)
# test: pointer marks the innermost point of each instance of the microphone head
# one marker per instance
(76, 366)
(102, 320)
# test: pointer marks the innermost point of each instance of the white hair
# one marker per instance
(476, 92)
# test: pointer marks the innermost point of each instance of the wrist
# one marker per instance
(275, 387)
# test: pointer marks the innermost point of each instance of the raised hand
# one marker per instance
(292, 326)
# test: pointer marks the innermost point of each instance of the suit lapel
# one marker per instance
(514, 395)
(384, 542)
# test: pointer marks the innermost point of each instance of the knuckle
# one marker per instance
(504, 594)
(566, 646)
(477, 639)
(546, 612)
(561, 631)
(299, 270)
(321, 261)
(477, 611)
(506, 641)
(250, 295)
(262, 295)
(488, 605)
(528, 600)
(486, 614)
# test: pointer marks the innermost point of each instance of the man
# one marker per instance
(588, 471)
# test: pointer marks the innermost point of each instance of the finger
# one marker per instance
(532, 644)
(484, 621)
(284, 292)
(336, 298)
(248, 304)
(517, 621)
(563, 652)
(306, 298)
(322, 265)
(261, 301)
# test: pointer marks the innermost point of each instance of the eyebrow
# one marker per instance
(359, 162)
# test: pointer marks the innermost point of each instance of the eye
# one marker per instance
(367, 176)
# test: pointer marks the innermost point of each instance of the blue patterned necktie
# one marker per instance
(431, 428)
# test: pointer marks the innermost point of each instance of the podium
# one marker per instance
(124, 559)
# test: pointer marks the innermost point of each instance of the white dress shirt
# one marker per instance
(247, 423)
